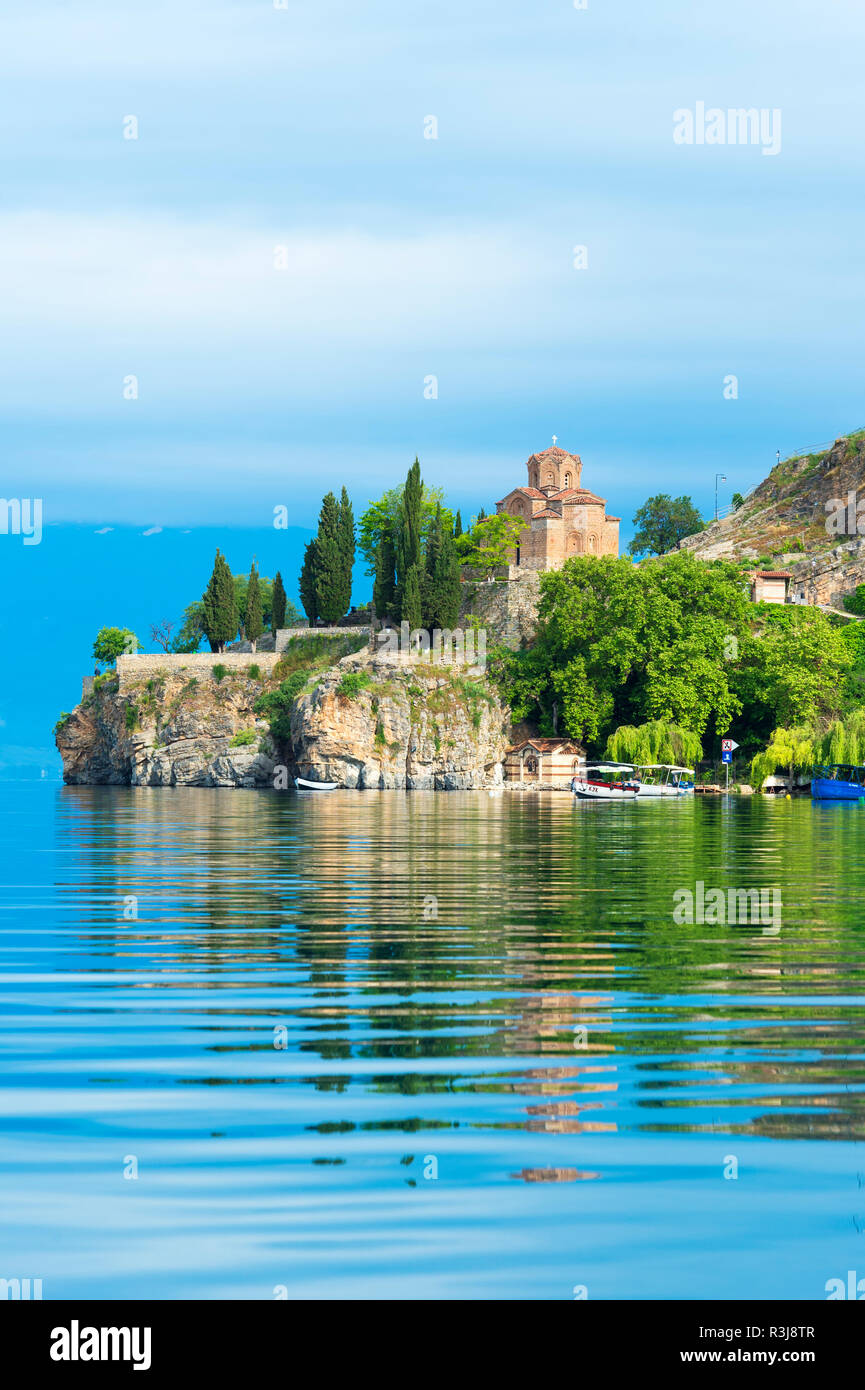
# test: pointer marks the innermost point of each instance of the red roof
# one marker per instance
(772, 574)
(547, 512)
(612, 518)
(556, 452)
(578, 494)
(547, 745)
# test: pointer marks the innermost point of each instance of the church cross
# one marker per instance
(555, 437)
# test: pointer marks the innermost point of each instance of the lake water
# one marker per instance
(341, 1045)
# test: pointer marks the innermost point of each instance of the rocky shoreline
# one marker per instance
(370, 721)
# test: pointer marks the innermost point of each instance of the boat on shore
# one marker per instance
(838, 782)
(605, 782)
(664, 779)
(304, 786)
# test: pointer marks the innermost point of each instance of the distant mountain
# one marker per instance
(808, 517)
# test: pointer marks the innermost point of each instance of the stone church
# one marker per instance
(563, 518)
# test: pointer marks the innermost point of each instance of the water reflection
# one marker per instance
(303, 981)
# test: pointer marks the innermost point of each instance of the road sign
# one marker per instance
(728, 744)
(727, 756)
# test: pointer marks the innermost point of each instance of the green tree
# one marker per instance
(855, 602)
(458, 526)
(253, 622)
(789, 750)
(278, 615)
(332, 593)
(411, 602)
(308, 582)
(347, 542)
(662, 522)
(738, 501)
(491, 542)
(792, 668)
(220, 615)
(112, 642)
(440, 585)
(191, 633)
(619, 643)
(409, 534)
(655, 742)
(384, 586)
(381, 519)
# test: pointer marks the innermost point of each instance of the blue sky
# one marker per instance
(303, 128)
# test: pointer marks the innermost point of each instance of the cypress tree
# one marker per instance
(330, 567)
(411, 604)
(458, 526)
(384, 587)
(408, 546)
(482, 516)
(307, 585)
(219, 618)
(448, 586)
(277, 619)
(347, 544)
(253, 625)
(431, 578)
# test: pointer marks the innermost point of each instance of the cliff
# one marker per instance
(376, 721)
(366, 721)
(790, 522)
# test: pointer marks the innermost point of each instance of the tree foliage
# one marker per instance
(491, 541)
(112, 642)
(220, 614)
(253, 620)
(657, 741)
(662, 522)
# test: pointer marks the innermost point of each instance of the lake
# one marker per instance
(428, 1045)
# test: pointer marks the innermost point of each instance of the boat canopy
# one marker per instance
(841, 772)
(663, 767)
(607, 767)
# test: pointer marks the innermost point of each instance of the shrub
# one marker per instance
(277, 705)
(131, 717)
(62, 721)
(244, 737)
(352, 683)
(220, 671)
(855, 602)
(254, 672)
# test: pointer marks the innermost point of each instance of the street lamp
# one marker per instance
(723, 480)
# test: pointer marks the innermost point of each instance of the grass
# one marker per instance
(244, 737)
(219, 672)
(352, 683)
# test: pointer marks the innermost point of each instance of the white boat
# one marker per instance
(304, 786)
(664, 779)
(605, 782)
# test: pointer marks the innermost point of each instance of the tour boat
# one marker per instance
(664, 779)
(838, 782)
(605, 782)
(304, 786)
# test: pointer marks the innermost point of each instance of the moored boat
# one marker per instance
(605, 782)
(838, 782)
(664, 779)
(304, 786)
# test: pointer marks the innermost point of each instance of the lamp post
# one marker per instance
(723, 479)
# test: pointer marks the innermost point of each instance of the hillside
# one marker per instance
(785, 524)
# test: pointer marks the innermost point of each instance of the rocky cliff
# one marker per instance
(377, 721)
(790, 522)
(170, 729)
(367, 721)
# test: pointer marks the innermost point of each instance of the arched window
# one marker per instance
(567, 480)
(593, 544)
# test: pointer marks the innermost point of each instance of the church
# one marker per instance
(562, 517)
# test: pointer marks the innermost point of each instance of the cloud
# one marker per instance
(154, 531)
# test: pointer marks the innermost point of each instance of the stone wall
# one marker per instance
(143, 666)
(285, 634)
(507, 608)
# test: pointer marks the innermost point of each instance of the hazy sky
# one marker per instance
(303, 128)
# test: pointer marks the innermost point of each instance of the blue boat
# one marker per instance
(838, 782)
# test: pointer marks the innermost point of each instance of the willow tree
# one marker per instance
(657, 741)
(790, 750)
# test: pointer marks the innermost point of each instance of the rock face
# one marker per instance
(169, 732)
(790, 520)
(377, 721)
(370, 721)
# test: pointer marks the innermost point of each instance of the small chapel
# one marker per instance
(562, 517)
